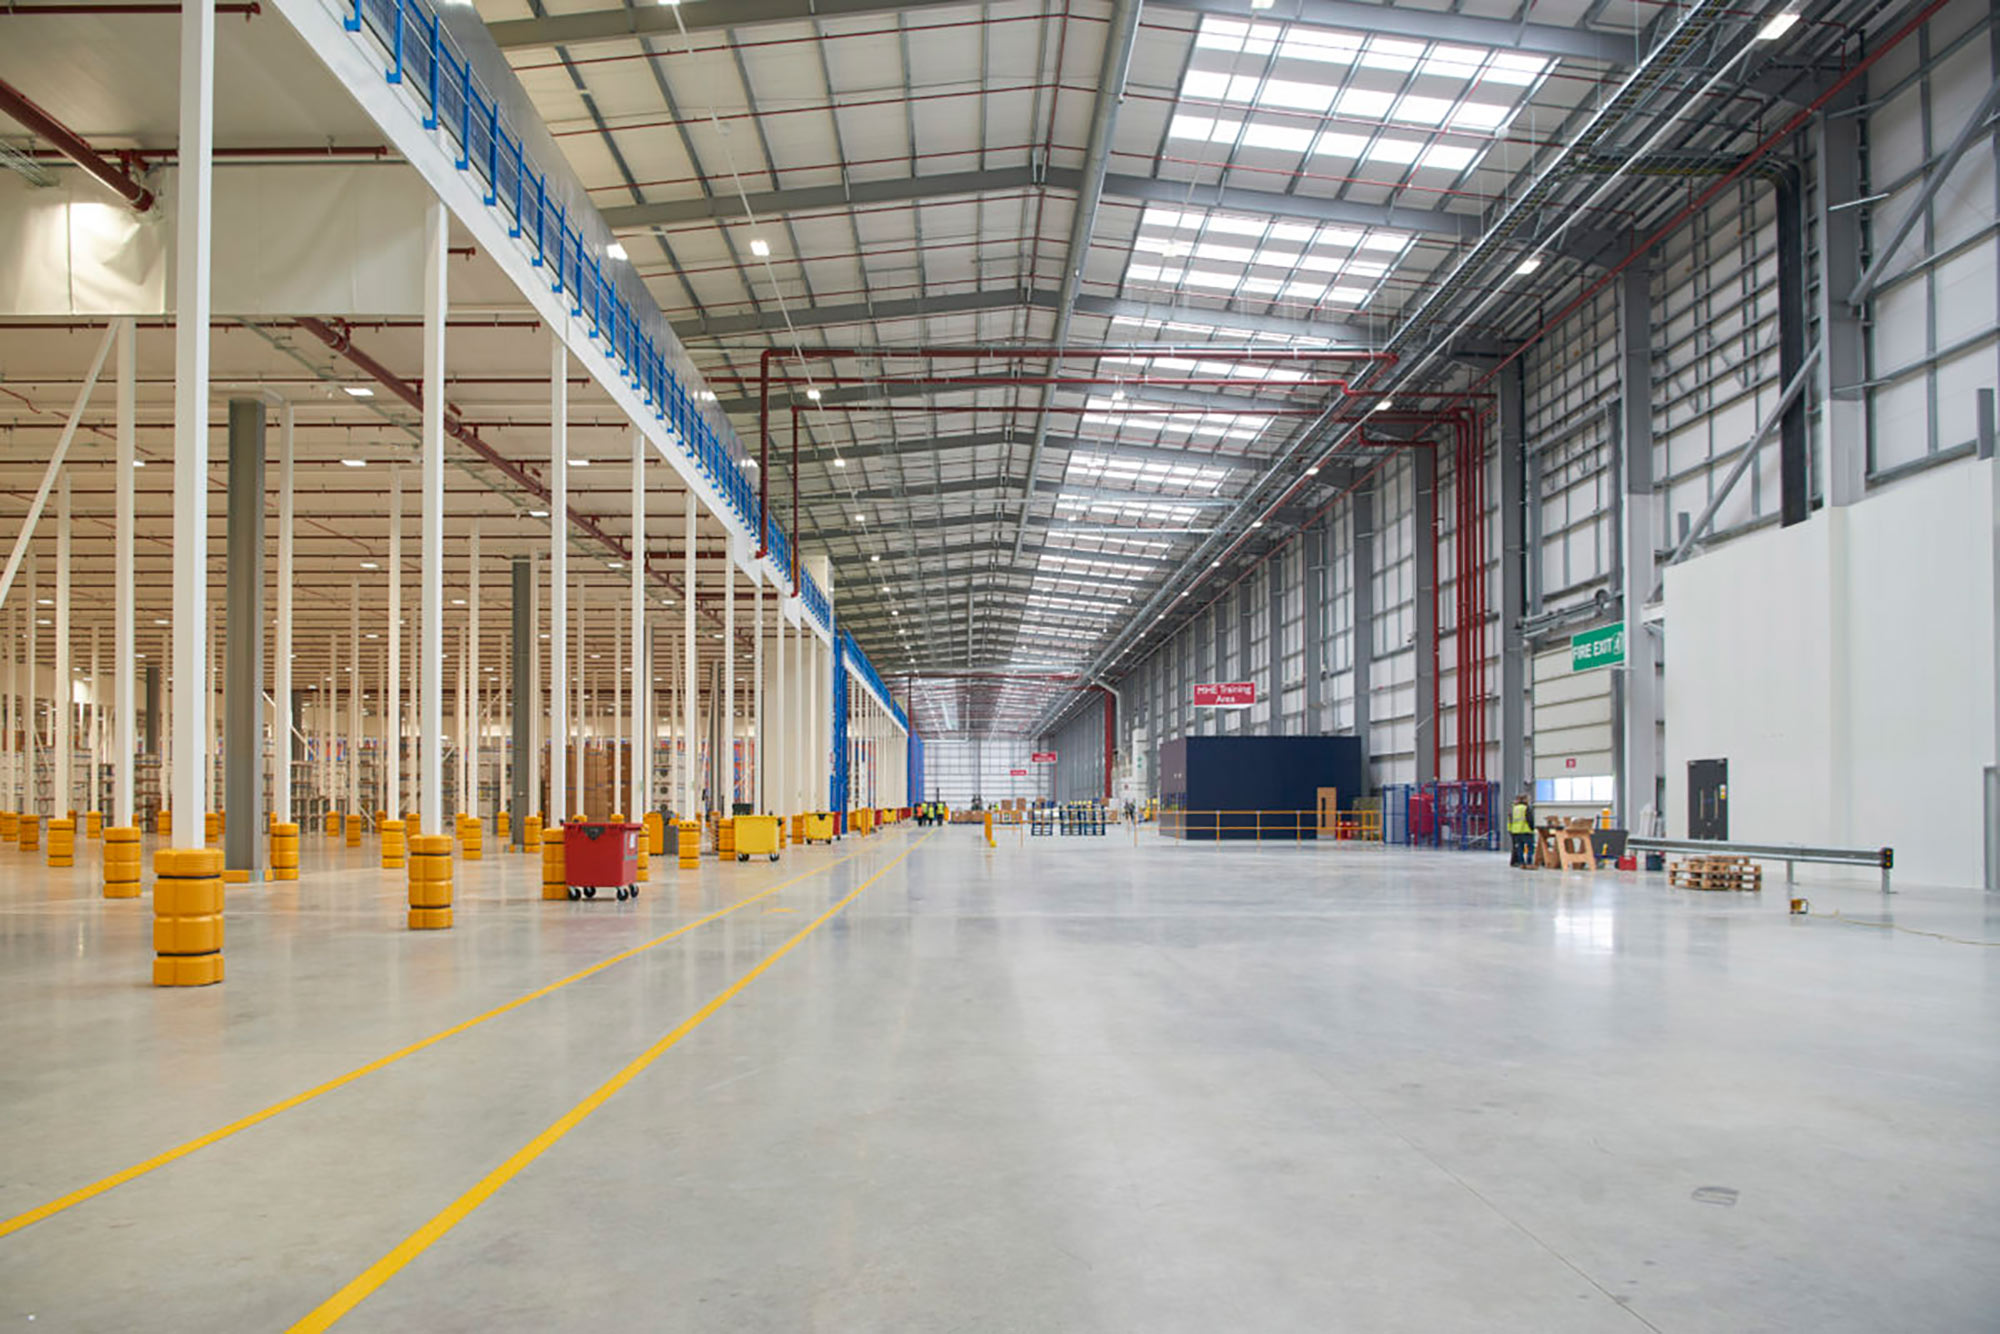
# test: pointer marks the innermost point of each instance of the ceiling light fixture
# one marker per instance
(760, 247)
(1778, 26)
(357, 391)
(615, 251)
(538, 514)
(840, 463)
(1528, 265)
(354, 463)
(370, 565)
(579, 463)
(813, 394)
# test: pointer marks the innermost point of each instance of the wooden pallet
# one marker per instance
(1723, 873)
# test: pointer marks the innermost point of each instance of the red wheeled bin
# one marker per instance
(600, 855)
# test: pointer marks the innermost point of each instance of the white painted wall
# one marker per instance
(1844, 667)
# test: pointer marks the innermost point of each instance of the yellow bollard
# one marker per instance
(472, 838)
(688, 845)
(393, 845)
(10, 826)
(531, 834)
(989, 831)
(121, 863)
(555, 880)
(644, 858)
(187, 917)
(503, 827)
(333, 824)
(430, 882)
(656, 833)
(62, 842)
(725, 839)
(93, 824)
(163, 823)
(284, 851)
(353, 825)
(29, 832)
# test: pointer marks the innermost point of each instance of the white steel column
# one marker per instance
(212, 711)
(726, 762)
(430, 794)
(759, 791)
(781, 796)
(31, 800)
(464, 647)
(392, 678)
(642, 690)
(617, 729)
(558, 582)
(689, 685)
(353, 700)
(281, 669)
(468, 798)
(533, 695)
(124, 643)
(94, 733)
(581, 703)
(63, 693)
(191, 296)
(816, 745)
(10, 714)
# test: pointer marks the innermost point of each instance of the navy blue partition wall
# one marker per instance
(1281, 775)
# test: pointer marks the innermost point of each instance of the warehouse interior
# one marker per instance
(999, 664)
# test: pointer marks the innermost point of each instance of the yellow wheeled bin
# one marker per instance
(756, 835)
(816, 827)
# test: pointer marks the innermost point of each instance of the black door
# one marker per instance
(1708, 799)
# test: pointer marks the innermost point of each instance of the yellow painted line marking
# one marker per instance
(159, 1160)
(364, 1284)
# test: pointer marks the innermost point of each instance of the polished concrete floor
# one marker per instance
(1058, 1085)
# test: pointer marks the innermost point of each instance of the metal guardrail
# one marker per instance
(1788, 853)
(1259, 826)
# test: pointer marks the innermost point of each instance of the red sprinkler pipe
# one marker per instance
(18, 105)
(1110, 736)
(1005, 352)
(1133, 382)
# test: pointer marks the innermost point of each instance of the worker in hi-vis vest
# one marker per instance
(1521, 824)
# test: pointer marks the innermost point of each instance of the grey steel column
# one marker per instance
(243, 647)
(153, 712)
(1841, 367)
(1275, 642)
(1638, 766)
(1423, 547)
(1794, 463)
(524, 704)
(1312, 615)
(1513, 583)
(1362, 636)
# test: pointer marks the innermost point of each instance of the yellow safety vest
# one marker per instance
(1517, 822)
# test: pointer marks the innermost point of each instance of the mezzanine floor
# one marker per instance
(1064, 1084)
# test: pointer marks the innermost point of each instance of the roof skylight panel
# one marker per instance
(1301, 75)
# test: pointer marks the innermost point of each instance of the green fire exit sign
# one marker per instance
(1603, 647)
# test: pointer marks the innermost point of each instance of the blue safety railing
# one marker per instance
(871, 676)
(638, 343)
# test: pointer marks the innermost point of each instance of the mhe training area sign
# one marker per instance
(1225, 695)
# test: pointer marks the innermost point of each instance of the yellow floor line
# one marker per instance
(333, 1308)
(159, 1160)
